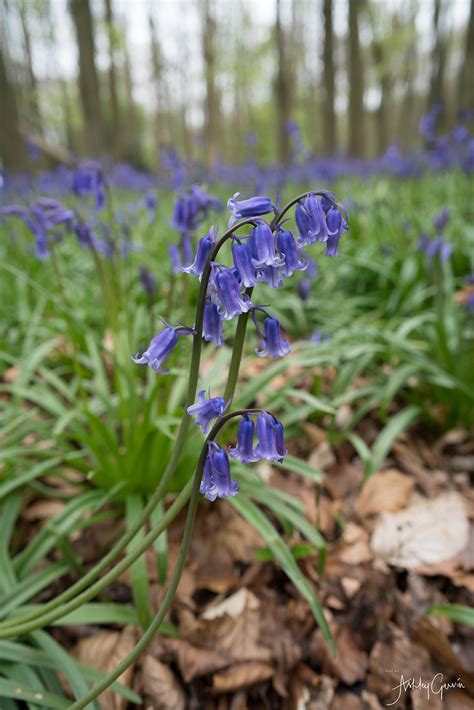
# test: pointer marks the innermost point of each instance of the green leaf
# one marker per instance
(10, 689)
(284, 558)
(138, 570)
(456, 612)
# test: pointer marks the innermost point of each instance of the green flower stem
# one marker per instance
(178, 571)
(24, 626)
(239, 340)
(10, 628)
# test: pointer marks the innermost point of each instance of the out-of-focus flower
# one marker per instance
(148, 281)
(216, 482)
(253, 207)
(206, 409)
(441, 219)
(161, 346)
(272, 344)
(245, 451)
(88, 179)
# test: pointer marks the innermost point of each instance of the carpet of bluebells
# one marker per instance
(358, 302)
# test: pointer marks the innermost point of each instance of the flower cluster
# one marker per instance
(216, 482)
(191, 207)
(437, 245)
(269, 254)
(41, 218)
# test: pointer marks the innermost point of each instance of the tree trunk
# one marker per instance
(466, 82)
(33, 102)
(88, 79)
(67, 118)
(282, 90)
(212, 96)
(356, 83)
(161, 121)
(12, 145)
(115, 122)
(438, 57)
(329, 83)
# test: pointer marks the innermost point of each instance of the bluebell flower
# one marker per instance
(271, 439)
(441, 219)
(286, 245)
(148, 281)
(328, 200)
(265, 247)
(245, 451)
(88, 179)
(336, 227)
(272, 344)
(272, 276)
(216, 482)
(175, 258)
(161, 346)
(207, 409)
(203, 250)
(212, 330)
(231, 302)
(243, 263)
(314, 208)
(253, 207)
(438, 246)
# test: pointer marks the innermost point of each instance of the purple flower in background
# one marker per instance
(286, 245)
(243, 263)
(317, 337)
(212, 330)
(271, 439)
(161, 346)
(438, 246)
(207, 409)
(304, 287)
(88, 179)
(265, 247)
(175, 258)
(203, 250)
(441, 219)
(272, 344)
(245, 451)
(151, 203)
(231, 302)
(253, 207)
(216, 482)
(148, 281)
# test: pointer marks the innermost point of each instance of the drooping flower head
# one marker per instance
(286, 246)
(231, 302)
(441, 219)
(253, 207)
(206, 409)
(245, 452)
(203, 250)
(212, 330)
(161, 346)
(265, 247)
(272, 344)
(271, 439)
(88, 179)
(336, 225)
(216, 482)
(148, 281)
(241, 252)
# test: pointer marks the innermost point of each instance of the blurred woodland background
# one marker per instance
(222, 79)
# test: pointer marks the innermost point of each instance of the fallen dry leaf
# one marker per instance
(161, 688)
(241, 675)
(350, 662)
(104, 651)
(194, 662)
(322, 457)
(355, 548)
(384, 491)
(425, 533)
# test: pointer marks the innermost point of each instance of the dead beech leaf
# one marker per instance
(194, 662)
(355, 549)
(241, 675)
(322, 457)
(384, 491)
(161, 688)
(104, 651)
(425, 533)
(43, 510)
(232, 627)
(350, 662)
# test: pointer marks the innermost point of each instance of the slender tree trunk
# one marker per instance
(88, 79)
(161, 119)
(116, 122)
(329, 83)
(379, 55)
(438, 57)
(212, 111)
(466, 81)
(356, 83)
(282, 89)
(12, 145)
(34, 109)
(133, 150)
(67, 118)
